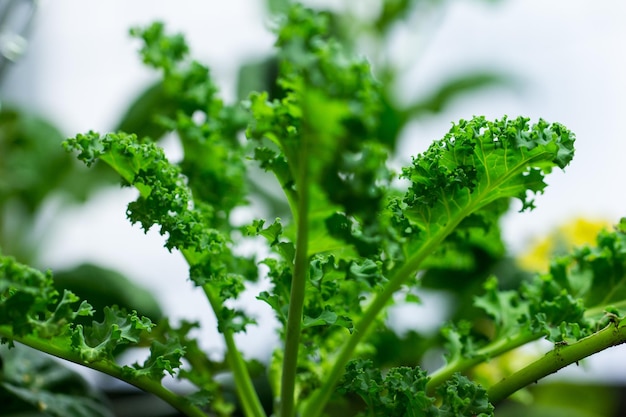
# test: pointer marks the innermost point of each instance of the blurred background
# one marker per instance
(562, 60)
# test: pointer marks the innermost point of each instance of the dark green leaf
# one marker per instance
(32, 382)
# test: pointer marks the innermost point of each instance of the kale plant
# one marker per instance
(352, 235)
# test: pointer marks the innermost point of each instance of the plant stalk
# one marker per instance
(487, 352)
(246, 393)
(110, 368)
(560, 357)
(245, 389)
(298, 284)
(316, 405)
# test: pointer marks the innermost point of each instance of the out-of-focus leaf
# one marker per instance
(259, 76)
(105, 287)
(277, 6)
(32, 384)
(564, 399)
(33, 163)
(585, 399)
(391, 12)
(453, 88)
(395, 350)
(140, 116)
(33, 166)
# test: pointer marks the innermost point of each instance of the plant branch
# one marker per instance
(243, 383)
(560, 357)
(108, 367)
(318, 402)
(601, 310)
(489, 351)
(250, 401)
(245, 389)
(298, 283)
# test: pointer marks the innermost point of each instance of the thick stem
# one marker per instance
(298, 284)
(493, 350)
(558, 358)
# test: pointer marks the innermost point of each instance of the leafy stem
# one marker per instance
(60, 350)
(601, 310)
(492, 350)
(494, 185)
(245, 389)
(243, 383)
(298, 283)
(560, 357)
(316, 405)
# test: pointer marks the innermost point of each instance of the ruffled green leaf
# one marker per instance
(463, 398)
(402, 393)
(98, 341)
(479, 162)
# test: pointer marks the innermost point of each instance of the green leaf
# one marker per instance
(476, 164)
(400, 393)
(31, 381)
(460, 342)
(160, 51)
(596, 273)
(455, 87)
(106, 287)
(506, 308)
(368, 272)
(187, 101)
(272, 232)
(330, 111)
(141, 116)
(234, 320)
(161, 185)
(98, 341)
(164, 358)
(464, 398)
(574, 297)
(30, 303)
(328, 318)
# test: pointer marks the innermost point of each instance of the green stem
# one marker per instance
(558, 358)
(495, 349)
(601, 309)
(316, 405)
(243, 383)
(490, 351)
(110, 368)
(298, 283)
(246, 393)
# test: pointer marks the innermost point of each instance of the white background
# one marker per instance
(568, 56)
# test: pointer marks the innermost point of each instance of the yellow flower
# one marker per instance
(567, 236)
